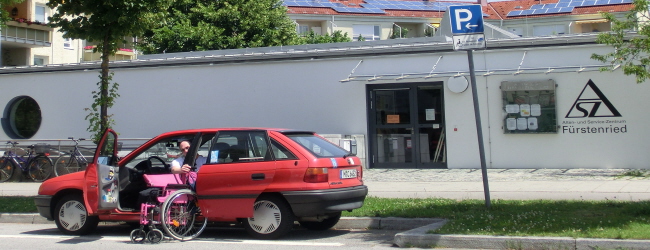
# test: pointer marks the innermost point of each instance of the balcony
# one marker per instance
(121, 54)
(22, 33)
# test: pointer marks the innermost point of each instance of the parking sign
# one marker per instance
(467, 26)
(466, 19)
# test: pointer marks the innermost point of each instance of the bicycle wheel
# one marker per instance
(7, 169)
(65, 165)
(180, 215)
(40, 168)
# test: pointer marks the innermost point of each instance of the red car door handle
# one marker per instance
(258, 177)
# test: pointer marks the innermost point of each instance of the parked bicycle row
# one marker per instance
(37, 163)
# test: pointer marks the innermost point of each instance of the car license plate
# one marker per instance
(348, 173)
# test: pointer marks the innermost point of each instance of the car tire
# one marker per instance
(71, 216)
(322, 225)
(272, 218)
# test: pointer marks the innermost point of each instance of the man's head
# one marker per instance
(184, 146)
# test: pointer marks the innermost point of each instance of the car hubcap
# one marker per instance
(266, 218)
(72, 215)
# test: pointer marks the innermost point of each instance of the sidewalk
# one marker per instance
(520, 184)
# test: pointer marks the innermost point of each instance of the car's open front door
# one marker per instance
(101, 182)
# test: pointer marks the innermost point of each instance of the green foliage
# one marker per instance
(562, 218)
(198, 25)
(631, 51)
(313, 38)
(108, 23)
(4, 15)
(101, 100)
(361, 38)
(641, 173)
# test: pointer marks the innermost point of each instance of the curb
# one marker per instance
(389, 223)
(419, 238)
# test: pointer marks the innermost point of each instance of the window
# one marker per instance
(67, 43)
(529, 107)
(239, 146)
(40, 14)
(368, 32)
(280, 152)
(24, 117)
(303, 29)
(318, 146)
(40, 60)
(168, 150)
(549, 30)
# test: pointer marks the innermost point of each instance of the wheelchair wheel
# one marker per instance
(155, 236)
(137, 235)
(180, 215)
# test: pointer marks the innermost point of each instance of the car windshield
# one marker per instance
(318, 146)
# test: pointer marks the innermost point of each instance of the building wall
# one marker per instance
(308, 94)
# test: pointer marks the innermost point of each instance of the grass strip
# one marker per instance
(564, 218)
(17, 204)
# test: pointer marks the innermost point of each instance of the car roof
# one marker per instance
(214, 130)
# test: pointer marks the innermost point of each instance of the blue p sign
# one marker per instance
(466, 19)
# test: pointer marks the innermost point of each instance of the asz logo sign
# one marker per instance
(592, 103)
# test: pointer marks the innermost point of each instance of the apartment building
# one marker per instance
(386, 19)
(27, 40)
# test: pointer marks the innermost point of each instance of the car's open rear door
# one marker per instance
(101, 182)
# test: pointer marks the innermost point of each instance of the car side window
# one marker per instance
(167, 149)
(239, 146)
(281, 152)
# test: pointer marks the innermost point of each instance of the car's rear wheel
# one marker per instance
(71, 216)
(324, 224)
(272, 218)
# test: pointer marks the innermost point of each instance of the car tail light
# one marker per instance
(314, 175)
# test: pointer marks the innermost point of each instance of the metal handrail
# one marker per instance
(60, 146)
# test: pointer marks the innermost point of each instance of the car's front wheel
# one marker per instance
(71, 216)
(272, 218)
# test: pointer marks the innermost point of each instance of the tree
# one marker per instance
(197, 25)
(4, 15)
(313, 38)
(106, 22)
(631, 50)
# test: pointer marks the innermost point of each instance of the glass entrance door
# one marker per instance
(406, 126)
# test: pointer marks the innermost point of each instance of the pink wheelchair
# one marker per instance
(172, 206)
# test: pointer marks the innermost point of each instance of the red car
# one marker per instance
(301, 175)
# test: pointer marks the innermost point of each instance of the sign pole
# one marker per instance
(479, 129)
(467, 29)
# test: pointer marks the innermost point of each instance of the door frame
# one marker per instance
(414, 126)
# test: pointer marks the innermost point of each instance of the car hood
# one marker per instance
(68, 181)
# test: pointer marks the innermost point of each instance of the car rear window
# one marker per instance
(318, 146)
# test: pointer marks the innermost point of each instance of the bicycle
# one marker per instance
(37, 165)
(74, 162)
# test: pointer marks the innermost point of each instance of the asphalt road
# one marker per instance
(46, 236)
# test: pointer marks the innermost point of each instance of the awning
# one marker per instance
(603, 20)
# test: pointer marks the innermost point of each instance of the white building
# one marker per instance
(543, 101)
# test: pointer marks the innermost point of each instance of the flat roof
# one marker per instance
(320, 51)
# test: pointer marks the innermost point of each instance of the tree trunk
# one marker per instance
(104, 85)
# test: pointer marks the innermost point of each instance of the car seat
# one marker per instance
(237, 152)
(224, 150)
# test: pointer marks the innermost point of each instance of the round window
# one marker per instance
(24, 117)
